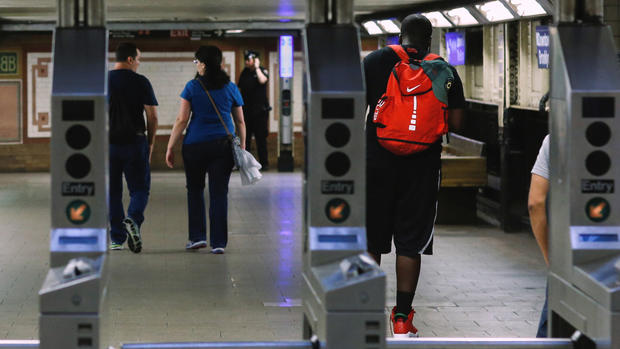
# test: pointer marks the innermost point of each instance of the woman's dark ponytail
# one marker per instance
(211, 56)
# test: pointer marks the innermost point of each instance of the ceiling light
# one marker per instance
(461, 16)
(437, 19)
(372, 28)
(234, 31)
(527, 8)
(389, 26)
(494, 11)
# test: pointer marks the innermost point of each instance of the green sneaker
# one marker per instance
(116, 246)
(134, 240)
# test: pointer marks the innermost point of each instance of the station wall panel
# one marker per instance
(167, 62)
(533, 82)
(10, 111)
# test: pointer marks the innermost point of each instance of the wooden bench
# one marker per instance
(463, 171)
(463, 163)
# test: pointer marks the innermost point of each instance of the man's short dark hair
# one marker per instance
(125, 50)
(416, 28)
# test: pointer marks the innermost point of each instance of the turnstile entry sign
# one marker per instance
(79, 161)
(344, 289)
(584, 280)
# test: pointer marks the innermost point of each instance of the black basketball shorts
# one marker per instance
(401, 202)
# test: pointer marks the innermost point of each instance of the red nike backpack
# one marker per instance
(412, 113)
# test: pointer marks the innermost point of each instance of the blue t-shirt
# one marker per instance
(205, 125)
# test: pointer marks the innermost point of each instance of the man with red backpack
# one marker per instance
(412, 96)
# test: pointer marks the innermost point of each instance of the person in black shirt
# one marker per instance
(130, 95)
(402, 190)
(253, 86)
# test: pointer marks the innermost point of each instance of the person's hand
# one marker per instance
(256, 63)
(170, 158)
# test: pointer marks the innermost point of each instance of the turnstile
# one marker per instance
(344, 289)
(584, 278)
(72, 293)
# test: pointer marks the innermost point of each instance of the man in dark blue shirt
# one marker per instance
(401, 191)
(130, 95)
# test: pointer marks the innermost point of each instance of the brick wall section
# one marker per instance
(611, 17)
(35, 157)
(32, 157)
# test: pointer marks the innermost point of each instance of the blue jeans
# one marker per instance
(133, 161)
(542, 324)
(215, 159)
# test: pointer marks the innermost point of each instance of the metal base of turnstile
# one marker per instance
(418, 343)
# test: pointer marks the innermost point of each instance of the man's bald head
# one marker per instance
(416, 30)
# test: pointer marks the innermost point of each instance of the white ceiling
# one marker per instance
(28, 11)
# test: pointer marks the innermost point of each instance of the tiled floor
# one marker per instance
(481, 282)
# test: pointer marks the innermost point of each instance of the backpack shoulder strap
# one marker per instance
(432, 56)
(400, 51)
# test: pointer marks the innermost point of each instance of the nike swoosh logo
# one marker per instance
(413, 88)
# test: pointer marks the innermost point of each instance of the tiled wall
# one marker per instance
(168, 65)
(168, 73)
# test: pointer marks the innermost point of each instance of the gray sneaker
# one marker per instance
(218, 250)
(194, 245)
(134, 241)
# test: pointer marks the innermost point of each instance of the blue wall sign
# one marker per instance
(286, 56)
(543, 41)
(455, 46)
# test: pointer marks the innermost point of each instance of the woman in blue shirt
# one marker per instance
(206, 147)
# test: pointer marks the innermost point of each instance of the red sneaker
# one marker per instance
(403, 326)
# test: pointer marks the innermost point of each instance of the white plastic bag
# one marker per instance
(248, 167)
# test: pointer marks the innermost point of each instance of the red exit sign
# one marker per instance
(179, 33)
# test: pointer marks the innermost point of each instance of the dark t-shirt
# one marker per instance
(377, 69)
(128, 93)
(253, 92)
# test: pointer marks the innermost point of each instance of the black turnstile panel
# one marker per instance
(334, 58)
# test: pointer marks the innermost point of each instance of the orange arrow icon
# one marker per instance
(76, 213)
(336, 212)
(596, 211)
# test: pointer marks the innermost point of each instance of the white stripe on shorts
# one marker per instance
(430, 238)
